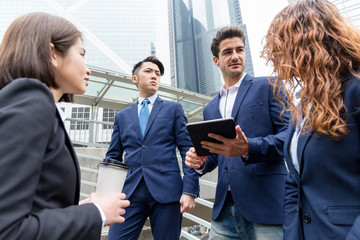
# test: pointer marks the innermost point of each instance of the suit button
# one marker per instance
(143, 146)
(143, 165)
(306, 218)
(226, 169)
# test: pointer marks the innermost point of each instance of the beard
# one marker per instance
(235, 73)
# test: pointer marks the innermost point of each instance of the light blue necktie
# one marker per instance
(144, 115)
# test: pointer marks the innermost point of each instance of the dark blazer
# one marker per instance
(323, 202)
(257, 186)
(154, 156)
(39, 172)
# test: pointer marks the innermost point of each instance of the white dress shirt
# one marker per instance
(226, 104)
(293, 149)
(294, 144)
(150, 105)
(227, 98)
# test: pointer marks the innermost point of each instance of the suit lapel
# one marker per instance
(288, 138)
(134, 116)
(303, 140)
(287, 143)
(155, 110)
(244, 87)
(215, 105)
(74, 157)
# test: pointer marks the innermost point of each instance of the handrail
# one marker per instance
(88, 121)
(204, 202)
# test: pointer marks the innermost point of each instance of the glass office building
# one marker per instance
(117, 33)
(349, 9)
(192, 25)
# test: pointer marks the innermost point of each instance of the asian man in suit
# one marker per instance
(149, 132)
(250, 191)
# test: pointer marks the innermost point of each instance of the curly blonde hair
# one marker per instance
(312, 48)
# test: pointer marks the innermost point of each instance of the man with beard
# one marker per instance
(251, 171)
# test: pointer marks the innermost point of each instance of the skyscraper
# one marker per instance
(117, 34)
(192, 25)
(349, 9)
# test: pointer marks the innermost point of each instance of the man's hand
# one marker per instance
(238, 146)
(193, 160)
(187, 203)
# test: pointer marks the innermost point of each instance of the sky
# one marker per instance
(256, 14)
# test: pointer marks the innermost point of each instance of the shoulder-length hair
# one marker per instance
(26, 47)
(312, 48)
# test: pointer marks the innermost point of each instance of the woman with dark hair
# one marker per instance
(41, 61)
(313, 49)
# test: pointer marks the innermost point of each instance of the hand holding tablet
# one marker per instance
(199, 131)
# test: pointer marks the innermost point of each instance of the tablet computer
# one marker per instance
(199, 131)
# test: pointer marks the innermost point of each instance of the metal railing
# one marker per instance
(89, 133)
(96, 135)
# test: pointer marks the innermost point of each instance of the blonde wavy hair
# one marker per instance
(311, 47)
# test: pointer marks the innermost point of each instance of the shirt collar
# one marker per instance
(151, 99)
(235, 86)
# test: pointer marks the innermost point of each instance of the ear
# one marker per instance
(54, 57)
(134, 79)
(216, 60)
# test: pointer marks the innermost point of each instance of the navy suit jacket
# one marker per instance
(257, 186)
(323, 202)
(153, 156)
(39, 172)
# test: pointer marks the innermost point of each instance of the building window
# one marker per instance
(80, 113)
(108, 116)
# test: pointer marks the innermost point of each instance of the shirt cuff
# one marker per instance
(200, 170)
(103, 217)
(190, 194)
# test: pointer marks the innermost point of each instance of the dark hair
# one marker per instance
(152, 59)
(225, 33)
(26, 52)
(310, 46)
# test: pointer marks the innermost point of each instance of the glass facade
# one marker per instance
(349, 9)
(192, 25)
(117, 34)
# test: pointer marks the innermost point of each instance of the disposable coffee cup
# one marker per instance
(111, 177)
